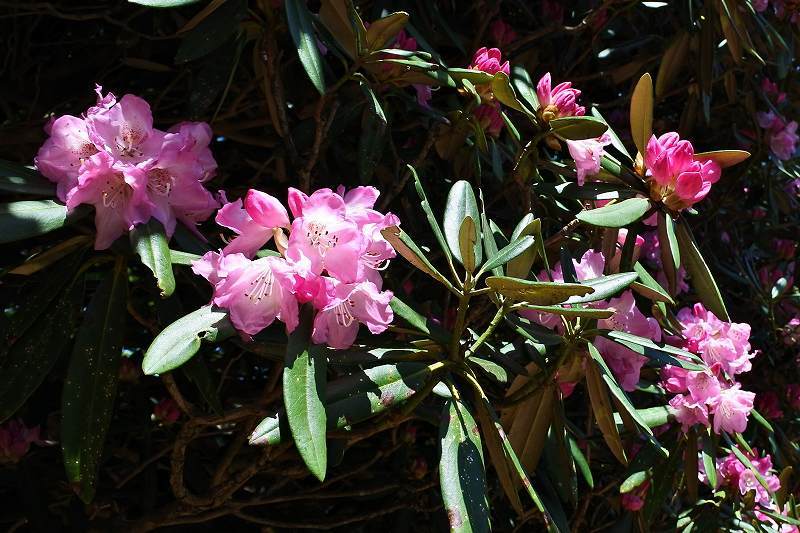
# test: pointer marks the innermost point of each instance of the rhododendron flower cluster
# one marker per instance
(488, 113)
(331, 260)
(114, 159)
(559, 101)
(725, 349)
(624, 363)
(676, 177)
(782, 136)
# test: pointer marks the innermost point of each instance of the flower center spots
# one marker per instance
(160, 182)
(85, 150)
(261, 286)
(129, 139)
(115, 191)
(344, 313)
(319, 237)
(373, 261)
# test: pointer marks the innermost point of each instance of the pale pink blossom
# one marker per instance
(688, 412)
(587, 154)
(559, 101)
(731, 409)
(782, 135)
(725, 343)
(125, 130)
(61, 156)
(253, 221)
(118, 193)
(347, 306)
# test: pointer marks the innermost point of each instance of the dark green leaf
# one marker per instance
(373, 129)
(461, 203)
(91, 383)
(426, 207)
(604, 287)
(650, 282)
(302, 31)
(461, 471)
(578, 128)
(418, 321)
(525, 86)
(406, 247)
(536, 292)
(21, 179)
(303, 390)
(514, 249)
(21, 220)
(179, 341)
(616, 215)
(197, 372)
(662, 353)
(702, 280)
(493, 369)
(150, 242)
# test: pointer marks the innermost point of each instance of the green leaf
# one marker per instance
(383, 31)
(373, 130)
(504, 92)
(525, 86)
(708, 454)
(650, 282)
(405, 246)
(163, 3)
(578, 128)
(461, 203)
(150, 242)
(302, 31)
(91, 383)
(520, 266)
(198, 373)
(585, 312)
(615, 140)
(616, 391)
(633, 481)
(32, 356)
(581, 462)
(303, 389)
(651, 416)
(466, 243)
(179, 341)
(426, 207)
(642, 112)
(702, 280)
(493, 369)
(355, 398)
(30, 218)
(616, 215)
(212, 32)
(604, 287)
(514, 249)
(461, 471)
(474, 76)
(662, 353)
(536, 292)
(418, 321)
(21, 179)
(182, 258)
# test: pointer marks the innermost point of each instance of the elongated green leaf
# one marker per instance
(182, 258)
(303, 390)
(581, 462)
(461, 471)
(585, 312)
(373, 129)
(299, 20)
(33, 355)
(466, 243)
(406, 247)
(604, 287)
(504, 92)
(91, 384)
(578, 128)
(418, 321)
(520, 266)
(642, 112)
(525, 87)
(616, 391)
(633, 481)
(536, 292)
(179, 341)
(355, 398)
(383, 31)
(652, 416)
(21, 179)
(474, 76)
(493, 369)
(150, 242)
(426, 207)
(662, 353)
(22, 220)
(461, 203)
(650, 282)
(702, 280)
(514, 249)
(708, 454)
(615, 140)
(616, 215)
(493, 435)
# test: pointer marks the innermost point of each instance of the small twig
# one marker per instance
(423, 153)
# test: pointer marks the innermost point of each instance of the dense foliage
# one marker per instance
(374, 264)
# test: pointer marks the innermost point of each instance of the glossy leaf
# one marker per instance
(504, 92)
(584, 312)
(432, 221)
(179, 341)
(301, 29)
(514, 249)
(29, 218)
(21, 179)
(406, 247)
(725, 158)
(493, 437)
(616, 215)
(466, 243)
(663, 353)
(604, 287)
(642, 112)
(578, 128)
(91, 383)
(150, 243)
(701, 278)
(536, 292)
(304, 383)
(520, 266)
(648, 281)
(461, 471)
(525, 86)
(461, 203)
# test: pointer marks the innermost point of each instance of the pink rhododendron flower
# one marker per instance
(490, 60)
(255, 293)
(166, 412)
(731, 409)
(771, 89)
(734, 475)
(688, 412)
(634, 500)
(125, 130)
(676, 178)
(587, 154)
(559, 101)
(502, 33)
(716, 341)
(488, 116)
(15, 441)
(347, 305)
(253, 220)
(61, 156)
(625, 363)
(782, 136)
(118, 193)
